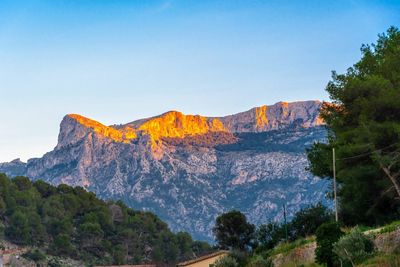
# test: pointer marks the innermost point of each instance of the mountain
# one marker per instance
(188, 168)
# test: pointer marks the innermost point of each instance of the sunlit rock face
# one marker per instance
(281, 115)
(188, 169)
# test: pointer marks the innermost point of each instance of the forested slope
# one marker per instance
(72, 222)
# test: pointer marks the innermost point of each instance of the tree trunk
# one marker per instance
(392, 179)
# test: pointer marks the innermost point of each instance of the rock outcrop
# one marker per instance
(188, 169)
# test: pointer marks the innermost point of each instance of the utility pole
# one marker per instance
(334, 184)
(284, 216)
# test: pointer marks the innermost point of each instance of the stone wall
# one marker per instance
(385, 243)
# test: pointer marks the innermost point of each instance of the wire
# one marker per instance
(368, 153)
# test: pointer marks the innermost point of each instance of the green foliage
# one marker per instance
(61, 245)
(71, 222)
(232, 231)
(286, 247)
(326, 235)
(185, 244)
(306, 221)
(364, 124)
(3, 207)
(35, 255)
(390, 227)
(227, 261)
(354, 247)
(382, 260)
(242, 257)
(1, 229)
(19, 231)
(258, 261)
(268, 235)
(54, 263)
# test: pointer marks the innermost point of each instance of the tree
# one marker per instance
(1, 230)
(37, 233)
(200, 247)
(19, 230)
(22, 183)
(354, 247)
(90, 235)
(3, 206)
(363, 121)
(326, 235)
(184, 241)
(72, 222)
(232, 231)
(306, 221)
(268, 235)
(62, 245)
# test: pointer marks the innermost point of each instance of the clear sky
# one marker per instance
(116, 61)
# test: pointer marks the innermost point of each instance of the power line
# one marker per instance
(367, 153)
(334, 171)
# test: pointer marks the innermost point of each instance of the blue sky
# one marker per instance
(117, 61)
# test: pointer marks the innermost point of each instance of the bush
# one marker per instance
(55, 263)
(240, 256)
(35, 255)
(327, 234)
(287, 247)
(354, 247)
(2, 227)
(390, 227)
(62, 245)
(381, 259)
(227, 261)
(259, 261)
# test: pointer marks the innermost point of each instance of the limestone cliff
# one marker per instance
(190, 168)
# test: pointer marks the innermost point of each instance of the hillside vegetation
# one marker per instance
(74, 223)
(363, 125)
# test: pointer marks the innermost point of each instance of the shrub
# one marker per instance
(390, 227)
(240, 256)
(35, 255)
(326, 235)
(227, 261)
(55, 263)
(382, 259)
(259, 261)
(62, 245)
(354, 247)
(2, 227)
(287, 247)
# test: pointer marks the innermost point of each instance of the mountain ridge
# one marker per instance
(175, 124)
(190, 168)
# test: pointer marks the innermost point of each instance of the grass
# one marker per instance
(390, 227)
(382, 260)
(292, 264)
(286, 247)
(379, 260)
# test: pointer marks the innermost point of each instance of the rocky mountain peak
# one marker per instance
(190, 168)
(74, 127)
(178, 125)
(175, 124)
(281, 115)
